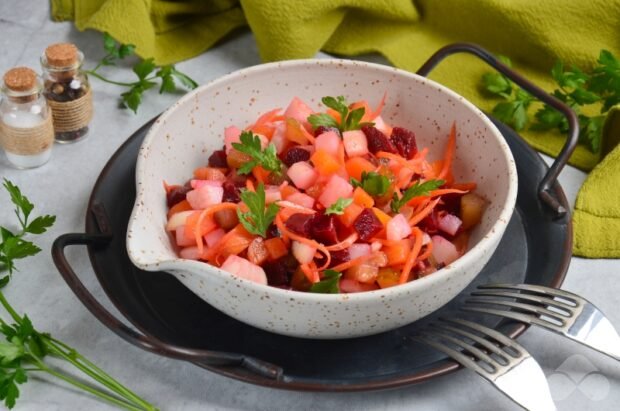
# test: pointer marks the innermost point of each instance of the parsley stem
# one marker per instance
(76, 359)
(98, 393)
(9, 309)
(100, 77)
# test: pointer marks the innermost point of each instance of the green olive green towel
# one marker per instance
(533, 34)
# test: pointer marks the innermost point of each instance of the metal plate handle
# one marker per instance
(545, 192)
(143, 341)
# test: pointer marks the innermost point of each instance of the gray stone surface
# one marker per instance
(62, 188)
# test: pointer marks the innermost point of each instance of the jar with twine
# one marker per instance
(67, 91)
(26, 130)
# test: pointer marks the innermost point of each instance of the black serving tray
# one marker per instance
(170, 320)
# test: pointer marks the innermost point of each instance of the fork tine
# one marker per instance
(476, 352)
(525, 307)
(524, 318)
(462, 359)
(499, 337)
(528, 297)
(485, 343)
(538, 289)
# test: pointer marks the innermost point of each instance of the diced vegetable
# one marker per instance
(257, 252)
(337, 187)
(357, 165)
(182, 240)
(272, 194)
(302, 174)
(276, 248)
(190, 253)
(209, 173)
(450, 224)
(472, 207)
(387, 277)
(355, 143)
(324, 162)
(298, 110)
(205, 196)
(243, 268)
(213, 237)
(443, 250)
(348, 285)
(362, 198)
(302, 199)
(364, 273)
(303, 252)
(328, 142)
(398, 251)
(397, 228)
(358, 250)
(351, 212)
(178, 219)
(231, 135)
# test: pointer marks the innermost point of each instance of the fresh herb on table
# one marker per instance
(267, 158)
(258, 219)
(373, 183)
(339, 206)
(349, 119)
(575, 88)
(415, 190)
(329, 283)
(146, 71)
(25, 349)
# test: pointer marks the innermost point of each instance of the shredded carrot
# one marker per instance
(268, 117)
(296, 207)
(464, 186)
(427, 252)
(348, 264)
(379, 108)
(249, 185)
(417, 246)
(213, 252)
(346, 243)
(423, 213)
(311, 273)
(449, 153)
(442, 191)
(204, 214)
(287, 233)
(414, 164)
(178, 207)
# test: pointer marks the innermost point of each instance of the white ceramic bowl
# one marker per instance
(183, 137)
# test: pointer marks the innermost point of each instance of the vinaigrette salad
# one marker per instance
(337, 201)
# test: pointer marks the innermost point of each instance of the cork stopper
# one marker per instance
(20, 79)
(61, 55)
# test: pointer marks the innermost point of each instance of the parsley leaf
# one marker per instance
(415, 190)
(373, 183)
(267, 158)
(40, 224)
(322, 119)
(514, 112)
(339, 206)
(24, 206)
(258, 219)
(329, 283)
(349, 120)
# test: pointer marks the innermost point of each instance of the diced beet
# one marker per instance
(322, 129)
(342, 230)
(430, 224)
(231, 192)
(177, 194)
(218, 159)
(272, 231)
(294, 155)
(377, 141)
(340, 256)
(300, 224)
(367, 225)
(324, 229)
(451, 203)
(405, 142)
(277, 273)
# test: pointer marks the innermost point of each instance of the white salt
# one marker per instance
(22, 119)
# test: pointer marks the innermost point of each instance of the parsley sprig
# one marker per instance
(373, 183)
(349, 119)
(329, 284)
(24, 350)
(339, 206)
(258, 219)
(267, 158)
(415, 190)
(576, 88)
(146, 71)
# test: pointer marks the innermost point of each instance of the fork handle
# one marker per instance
(545, 187)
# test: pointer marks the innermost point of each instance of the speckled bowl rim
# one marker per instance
(490, 238)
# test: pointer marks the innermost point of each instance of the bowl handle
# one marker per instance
(550, 178)
(145, 341)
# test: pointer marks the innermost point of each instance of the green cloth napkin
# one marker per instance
(533, 34)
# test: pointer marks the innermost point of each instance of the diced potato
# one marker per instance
(472, 207)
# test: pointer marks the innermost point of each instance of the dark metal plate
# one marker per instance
(536, 249)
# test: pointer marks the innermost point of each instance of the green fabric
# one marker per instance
(534, 34)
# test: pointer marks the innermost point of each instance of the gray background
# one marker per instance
(579, 379)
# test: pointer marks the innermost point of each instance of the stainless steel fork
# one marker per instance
(494, 356)
(556, 310)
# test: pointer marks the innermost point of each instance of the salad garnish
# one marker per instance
(258, 219)
(417, 189)
(339, 206)
(329, 283)
(373, 183)
(251, 145)
(349, 119)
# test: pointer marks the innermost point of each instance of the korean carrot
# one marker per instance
(346, 243)
(293, 236)
(348, 264)
(413, 255)
(178, 207)
(423, 213)
(427, 252)
(449, 154)
(207, 212)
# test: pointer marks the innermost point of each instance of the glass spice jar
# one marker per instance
(67, 91)
(26, 130)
